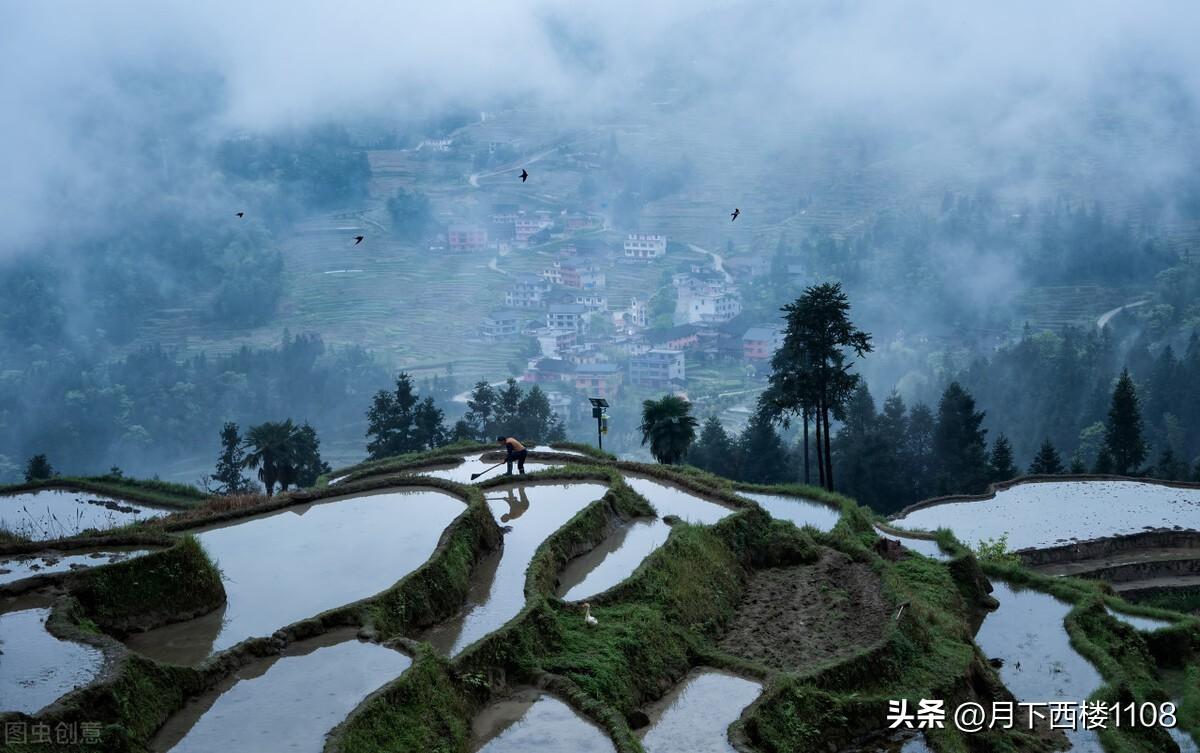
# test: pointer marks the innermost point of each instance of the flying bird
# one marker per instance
(734, 214)
(358, 239)
(241, 214)
(524, 175)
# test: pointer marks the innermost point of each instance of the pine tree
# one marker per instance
(228, 473)
(1047, 462)
(39, 469)
(557, 431)
(1104, 462)
(762, 456)
(1123, 430)
(959, 444)
(429, 427)
(508, 419)
(535, 416)
(1077, 466)
(809, 373)
(1169, 468)
(391, 420)
(306, 454)
(481, 411)
(1001, 461)
(714, 451)
(917, 451)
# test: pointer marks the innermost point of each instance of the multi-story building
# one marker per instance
(528, 292)
(572, 316)
(592, 300)
(674, 338)
(658, 369)
(501, 325)
(760, 343)
(643, 246)
(705, 302)
(598, 379)
(582, 276)
(555, 342)
(550, 371)
(526, 226)
(638, 313)
(461, 238)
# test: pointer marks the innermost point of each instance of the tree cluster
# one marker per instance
(509, 411)
(281, 452)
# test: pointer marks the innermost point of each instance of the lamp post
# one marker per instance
(599, 405)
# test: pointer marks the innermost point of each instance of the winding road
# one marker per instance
(1107, 316)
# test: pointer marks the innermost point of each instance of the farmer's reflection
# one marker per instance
(518, 503)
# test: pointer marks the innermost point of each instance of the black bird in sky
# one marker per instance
(241, 214)
(734, 214)
(358, 239)
(524, 175)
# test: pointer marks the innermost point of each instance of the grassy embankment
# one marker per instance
(149, 491)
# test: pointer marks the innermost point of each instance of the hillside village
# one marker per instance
(589, 343)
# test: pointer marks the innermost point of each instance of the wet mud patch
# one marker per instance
(793, 618)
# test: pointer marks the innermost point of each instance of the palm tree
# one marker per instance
(669, 426)
(273, 453)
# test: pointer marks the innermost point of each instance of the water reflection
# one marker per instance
(799, 510)
(620, 554)
(695, 716)
(1039, 663)
(530, 720)
(534, 510)
(35, 667)
(285, 703)
(44, 563)
(1043, 514)
(57, 513)
(295, 563)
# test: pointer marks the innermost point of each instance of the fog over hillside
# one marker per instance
(1023, 94)
(935, 157)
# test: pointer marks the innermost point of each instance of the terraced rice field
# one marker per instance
(278, 571)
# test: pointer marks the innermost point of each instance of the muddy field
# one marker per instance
(793, 618)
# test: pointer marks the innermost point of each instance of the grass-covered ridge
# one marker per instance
(148, 491)
(161, 587)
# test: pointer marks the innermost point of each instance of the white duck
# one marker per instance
(587, 614)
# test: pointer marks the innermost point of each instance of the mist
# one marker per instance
(118, 118)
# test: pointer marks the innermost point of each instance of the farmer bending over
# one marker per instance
(516, 451)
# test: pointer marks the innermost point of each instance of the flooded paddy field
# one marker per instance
(18, 567)
(927, 547)
(534, 511)
(619, 555)
(1045, 513)
(461, 473)
(37, 668)
(1039, 664)
(284, 703)
(799, 510)
(297, 562)
(48, 514)
(531, 720)
(695, 716)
